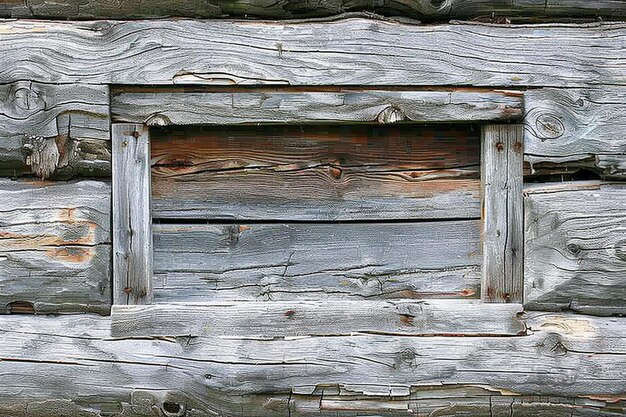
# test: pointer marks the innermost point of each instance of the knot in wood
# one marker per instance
(620, 249)
(549, 126)
(552, 345)
(573, 248)
(158, 119)
(407, 356)
(390, 115)
(28, 100)
(335, 172)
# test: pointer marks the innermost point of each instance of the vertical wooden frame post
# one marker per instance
(132, 222)
(502, 212)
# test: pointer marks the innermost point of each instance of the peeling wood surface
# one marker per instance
(267, 320)
(316, 173)
(300, 261)
(59, 130)
(132, 231)
(55, 248)
(346, 52)
(576, 128)
(289, 9)
(576, 248)
(503, 214)
(295, 107)
(576, 362)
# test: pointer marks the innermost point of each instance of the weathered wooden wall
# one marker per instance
(269, 351)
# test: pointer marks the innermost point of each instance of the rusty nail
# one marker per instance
(499, 146)
(128, 290)
(136, 134)
(518, 146)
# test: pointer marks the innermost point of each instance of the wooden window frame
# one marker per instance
(501, 168)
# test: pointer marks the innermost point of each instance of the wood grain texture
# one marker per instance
(316, 173)
(577, 362)
(55, 246)
(290, 107)
(419, 9)
(345, 52)
(196, 263)
(132, 224)
(319, 318)
(59, 130)
(576, 248)
(503, 214)
(576, 129)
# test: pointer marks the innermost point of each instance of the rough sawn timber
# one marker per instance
(197, 263)
(503, 214)
(55, 246)
(60, 130)
(352, 51)
(576, 247)
(568, 365)
(419, 9)
(571, 129)
(132, 231)
(318, 318)
(312, 173)
(184, 107)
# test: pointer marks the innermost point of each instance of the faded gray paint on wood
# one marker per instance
(289, 9)
(576, 128)
(576, 247)
(276, 106)
(269, 320)
(55, 246)
(503, 230)
(345, 52)
(316, 173)
(299, 261)
(578, 357)
(132, 232)
(60, 130)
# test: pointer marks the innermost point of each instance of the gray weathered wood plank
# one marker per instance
(316, 173)
(195, 263)
(73, 364)
(317, 318)
(576, 128)
(419, 9)
(59, 130)
(55, 246)
(132, 223)
(345, 52)
(575, 255)
(503, 221)
(154, 107)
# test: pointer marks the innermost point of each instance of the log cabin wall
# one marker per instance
(557, 67)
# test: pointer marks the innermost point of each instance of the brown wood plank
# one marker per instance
(576, 247)
(55, 246)
(195, 263)
(316, 172)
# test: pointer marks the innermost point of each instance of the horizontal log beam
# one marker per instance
(573, 129)
(420, 9)
(575, 252)
(285, 107)
(345, 52)
(54, 130)
(574, 362)
(55, 246)
(314, 318)
(196, 263)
